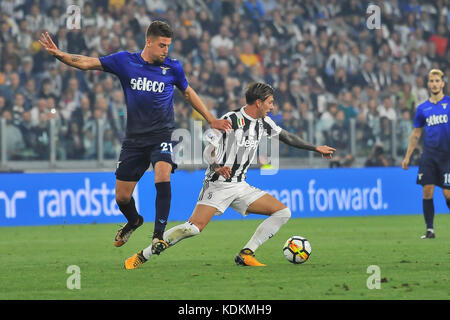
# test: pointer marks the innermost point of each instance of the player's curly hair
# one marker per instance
(257, 90)
(159, 29)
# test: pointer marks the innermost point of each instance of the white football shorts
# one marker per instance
(221, 195)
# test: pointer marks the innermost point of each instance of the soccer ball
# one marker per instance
(297, 249)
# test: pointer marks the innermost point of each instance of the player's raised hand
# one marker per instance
(224, 171)
(48, 44)
(221, 124)
(326, 151)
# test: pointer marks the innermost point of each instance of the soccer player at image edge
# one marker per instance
(434, 167)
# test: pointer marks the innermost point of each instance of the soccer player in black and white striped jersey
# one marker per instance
(230, 155)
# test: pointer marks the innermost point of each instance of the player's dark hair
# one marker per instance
(257, 90)
(159, 29)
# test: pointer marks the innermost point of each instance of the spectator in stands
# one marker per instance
(373, 117)
(367, 77)
(407, 75)
(282, 94)
(385, 137)
(29, 136)
(248, 56)
(40, 106)
(15, 143)
(378, 157)
(276, 115)
(46, 90)
(10, 55)
(222, 40)
(348, 107)
(404, 128)
(339, 134)
(325, 122)
(285, 43)
(441, 40)
(338, 82)
(419, 91)
(386, 110)
(364, 136)
(41, 132)
(30, 93)
(339, 59)
(74, 142)
(18, 108)
(82, 114)
(384, 75)
(407, 95)
(254, 10)
(116, 114)
(110, 150)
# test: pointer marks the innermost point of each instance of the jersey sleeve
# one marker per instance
(113, 63)
(419, 119)
(180, 77)
(271, 129)
(213, 137)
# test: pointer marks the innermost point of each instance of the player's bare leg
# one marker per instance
(199, 219)
(428, 210)
(125, 201)
(278, 214)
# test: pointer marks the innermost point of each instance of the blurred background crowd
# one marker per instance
(336, 80)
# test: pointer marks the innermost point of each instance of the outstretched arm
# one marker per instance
(297, 142)
(73, 60)
(195, 101)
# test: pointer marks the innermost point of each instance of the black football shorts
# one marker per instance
(434, 168)
(136, 156)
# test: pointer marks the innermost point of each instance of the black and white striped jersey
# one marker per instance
(238, 148)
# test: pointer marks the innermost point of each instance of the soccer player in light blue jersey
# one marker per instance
(148, 79)
(434, 168)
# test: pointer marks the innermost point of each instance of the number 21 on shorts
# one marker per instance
(166, 147)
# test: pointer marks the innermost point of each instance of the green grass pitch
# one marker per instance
(34, 261)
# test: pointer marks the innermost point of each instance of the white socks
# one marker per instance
(175, 234)
(268, 228)
(180, 232)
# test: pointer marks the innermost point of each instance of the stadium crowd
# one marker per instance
(326, 65)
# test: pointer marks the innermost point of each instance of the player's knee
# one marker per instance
(122, 199)
(162, 171)
(428, 191)
(283, 214)
(427, 195)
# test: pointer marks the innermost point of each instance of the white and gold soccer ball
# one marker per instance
(297, 249)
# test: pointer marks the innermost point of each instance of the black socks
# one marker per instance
(129, 211)
(162, 206)
(428, 212)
